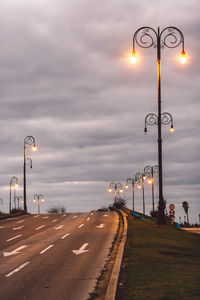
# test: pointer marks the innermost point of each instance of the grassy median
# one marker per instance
(160, 262)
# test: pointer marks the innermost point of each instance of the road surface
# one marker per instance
(54, 256)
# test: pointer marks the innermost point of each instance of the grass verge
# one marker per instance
(160, 262)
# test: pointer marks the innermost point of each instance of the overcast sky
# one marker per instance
(65, 78)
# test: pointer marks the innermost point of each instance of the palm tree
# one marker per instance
(185, 206)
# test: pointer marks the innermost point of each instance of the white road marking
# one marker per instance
(88, 219)
(81, 250)
(64, 215)
(20, 221)
(40, 227)
(59, 227)
(2, 227)
(17, 228)
(36, 216)
(91, 214)
(105, 215)
(54, 220)
(43, 251)
(15, 237)
(46, 217)
(81, 225)
(16, 251)
(100, 226)
(74, 217)
(18, 269)
(64, 236)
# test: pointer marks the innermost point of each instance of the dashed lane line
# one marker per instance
(47, 248)
(2, 227)
(88, 219)
(18, 269)
(64, 236)
(54, 220)
(81, 225)
(13, 238)
(36, 216)
(40, 227)
(20, 221)
(18, 228)
(74, 217)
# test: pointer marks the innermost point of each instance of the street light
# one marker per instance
(13, 181)
(115, 186)
(152, 170)
(38, 198)
(18, 199)
(29, 140)
(131, 181)
(140, 177)
(152, 119)
(170, 37)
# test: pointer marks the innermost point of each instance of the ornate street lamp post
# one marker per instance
(115, 186)
(140, 177)
(29, 140)
(152, 170)
(38, 198)
(170, 37)
(19, 199)
(132, 181)
(13, 180)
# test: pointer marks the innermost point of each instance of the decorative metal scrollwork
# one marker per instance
(166, 118)
(144, 37)
(29, 140)
(170, 37)
(151, 169)
(151, 119)
(29, 162)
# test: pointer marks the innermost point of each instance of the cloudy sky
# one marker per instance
(66, 79)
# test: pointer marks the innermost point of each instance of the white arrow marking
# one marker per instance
(16, 251)
(39, 227)
(17, 228)
(81, 250)
(15, 237)
(100, 226)
(88, 219)
(64, 236)
(18, 269)
(20, 221)
(74, 217)
(2, 227)
(59, 227)
(80, 225)
(54, 220)
(46, 249)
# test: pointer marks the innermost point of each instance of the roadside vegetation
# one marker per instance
(56, 209)
(160, 262)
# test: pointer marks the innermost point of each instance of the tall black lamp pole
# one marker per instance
(29, 140)
(170, 37)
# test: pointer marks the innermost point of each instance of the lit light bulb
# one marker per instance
(149, 181)
(126, 186)
(121, 190)
(139, 186)
(110, 190)
(34, 148)
(172, 128)
(133, 57)
(183, 57)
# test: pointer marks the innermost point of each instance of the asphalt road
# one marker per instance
(54, 256)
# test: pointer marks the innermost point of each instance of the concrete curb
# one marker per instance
(112, 285)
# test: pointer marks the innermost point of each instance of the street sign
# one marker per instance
(171, 206)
